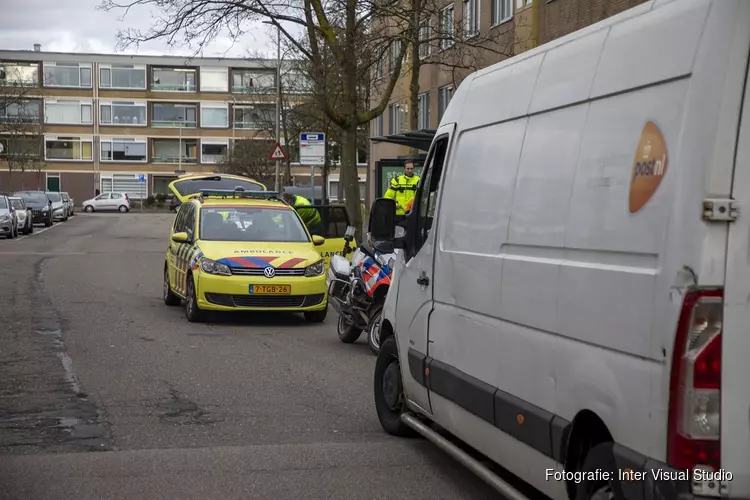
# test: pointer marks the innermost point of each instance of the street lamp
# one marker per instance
(278, 98)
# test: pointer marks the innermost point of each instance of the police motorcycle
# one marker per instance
(357, 290)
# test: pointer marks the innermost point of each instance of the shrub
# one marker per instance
(150, 201)
(161, 198)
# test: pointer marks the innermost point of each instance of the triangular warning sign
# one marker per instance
(277, 153)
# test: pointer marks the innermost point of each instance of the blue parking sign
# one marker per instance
(141, 178)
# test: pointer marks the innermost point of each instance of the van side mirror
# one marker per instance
(382, 224)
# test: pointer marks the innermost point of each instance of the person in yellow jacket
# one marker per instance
(403, 188)
(309, 216)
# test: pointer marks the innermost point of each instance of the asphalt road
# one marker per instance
(106, 393)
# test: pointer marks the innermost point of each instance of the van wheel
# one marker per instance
(390, 402)
(347, 333)
(601, 457)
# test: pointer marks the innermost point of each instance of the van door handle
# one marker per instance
(423, 279)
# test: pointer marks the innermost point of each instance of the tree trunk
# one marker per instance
(351, 179)
(340, 187)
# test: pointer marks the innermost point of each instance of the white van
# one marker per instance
(574, 288)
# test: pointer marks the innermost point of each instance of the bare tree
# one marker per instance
(21, 130)
(341, 28)
(437, 37)
(249, 157)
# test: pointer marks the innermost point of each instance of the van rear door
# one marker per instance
(735, 368)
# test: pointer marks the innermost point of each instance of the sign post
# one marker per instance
(312, 151)
(142, 182)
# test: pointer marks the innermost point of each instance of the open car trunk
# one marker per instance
(186, 186)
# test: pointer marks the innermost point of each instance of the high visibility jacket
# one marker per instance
(309, 216)
(402, 191)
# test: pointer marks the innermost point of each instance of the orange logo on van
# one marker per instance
(649, 167)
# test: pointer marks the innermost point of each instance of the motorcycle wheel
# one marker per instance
(373, 329)
(347, 333)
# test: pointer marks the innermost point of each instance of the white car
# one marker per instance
(108, 201)
(572, 300)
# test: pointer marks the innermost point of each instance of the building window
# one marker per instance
(20, 147)
(252, 81)
(20, 112)
(520, 4)
(18, 73)
(395, 53)
(169, 115)
(214, 115)
(379, 68)
(445, 94)
(65, 74)
(255, 117)
(122, 76)
(424, 38)
(123, 149)
(68, 111)
(447, 26)
(122, 113)
(502, 10)
(123, 183)
(333, 187)
(214, 151)
(471, 18)
(214, 80)
(397, 118)
(295, 82)
(173, 79)
(68, 148)
(377, 126)
(423, 101)
(174, 151)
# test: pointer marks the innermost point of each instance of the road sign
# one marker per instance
(312, 148)
(141, 178)
(277, 153)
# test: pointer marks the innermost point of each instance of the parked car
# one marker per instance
(108, 201)
(580, 317)
(69, 203)
(59, 209)
(24, 216)
(40, 205)
(8, 222)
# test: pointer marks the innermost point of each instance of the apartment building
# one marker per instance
(107, 120)
(516, 26)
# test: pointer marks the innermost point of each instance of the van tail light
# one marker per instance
(694, 439)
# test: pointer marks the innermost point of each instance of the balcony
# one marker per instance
(254, 117)
(19, 74)
(169, 115)
(173, 80)
(253, 81)
(174, 151)
(20, 113)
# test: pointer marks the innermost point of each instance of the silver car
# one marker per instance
(8, 222)
(59, 209)
(69, 203)
(108, 201)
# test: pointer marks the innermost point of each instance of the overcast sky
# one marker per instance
(76, 26)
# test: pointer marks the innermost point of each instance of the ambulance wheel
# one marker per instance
(170, 298)
(316, 316)
(192, 311)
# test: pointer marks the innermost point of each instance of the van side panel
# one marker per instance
(559, 310)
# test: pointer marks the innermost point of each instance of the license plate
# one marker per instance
(270, 289)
